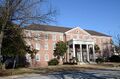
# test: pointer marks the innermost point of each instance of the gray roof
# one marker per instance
(59, 29)
(92, 32)
(47, 28)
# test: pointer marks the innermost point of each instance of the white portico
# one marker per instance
(83, 50)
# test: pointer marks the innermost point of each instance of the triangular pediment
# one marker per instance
(77, 30)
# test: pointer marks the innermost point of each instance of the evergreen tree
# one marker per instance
(60, 50)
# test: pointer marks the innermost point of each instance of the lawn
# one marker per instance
(50, 69)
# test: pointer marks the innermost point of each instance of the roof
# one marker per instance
(59, 29)
(47, 28)
(92, 32)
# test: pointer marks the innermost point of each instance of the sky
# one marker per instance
(100, 15)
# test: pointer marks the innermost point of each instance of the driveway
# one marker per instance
(87, 74)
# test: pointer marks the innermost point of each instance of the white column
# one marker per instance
(93, 52)
(68, 58)
(81, 59)
(88, 58)
(73, 50)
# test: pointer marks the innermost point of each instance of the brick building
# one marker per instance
(81, 43)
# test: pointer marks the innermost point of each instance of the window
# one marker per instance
(46, 36)
(46, 57)
(37, 57)
(77, 31)
(28, 57)
(46, 46)
(54, 46)
(28, 43)
(29, 34)
(61, 38)
(54, 37)
(37, 46)
(35, 39)
(37, 36)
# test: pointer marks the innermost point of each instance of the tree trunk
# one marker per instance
(1, 37)
(1, 40)
(14, 63)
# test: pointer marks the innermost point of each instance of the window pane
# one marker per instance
(46, 57)
(54, 37)
(46, 36)
(61, 38)
(37, 57)
(46, 46)
(54, 46)
(37, 46)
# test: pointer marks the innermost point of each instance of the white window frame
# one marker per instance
(61, 38)
(29, 33)
(46, 36)
(37, 57)
(54, 46)
(46, 46)
(28, 57)
(46, 57)
(37, 46)
(54, 37)
(38, 35)
(28, 42)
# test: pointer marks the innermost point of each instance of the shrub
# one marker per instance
(99, 60)
(69, 63)
(53, 62)
(114, 58)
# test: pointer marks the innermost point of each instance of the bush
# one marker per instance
(69, 63)
(99, 60)
(53, 62)
(114, 58)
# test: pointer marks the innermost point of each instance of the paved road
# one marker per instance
(87, 74)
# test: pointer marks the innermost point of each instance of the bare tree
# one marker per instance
(23, 12)
(117, 44)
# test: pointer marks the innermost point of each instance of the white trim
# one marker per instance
(74, 41)
(37, 45)
(79, 29)
(54, 45)
(101, 37)
(46, 36)
(54, 37)
(46, 46)
(61, 37)
(50, 32)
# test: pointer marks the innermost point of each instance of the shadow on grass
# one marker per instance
(77, 73)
